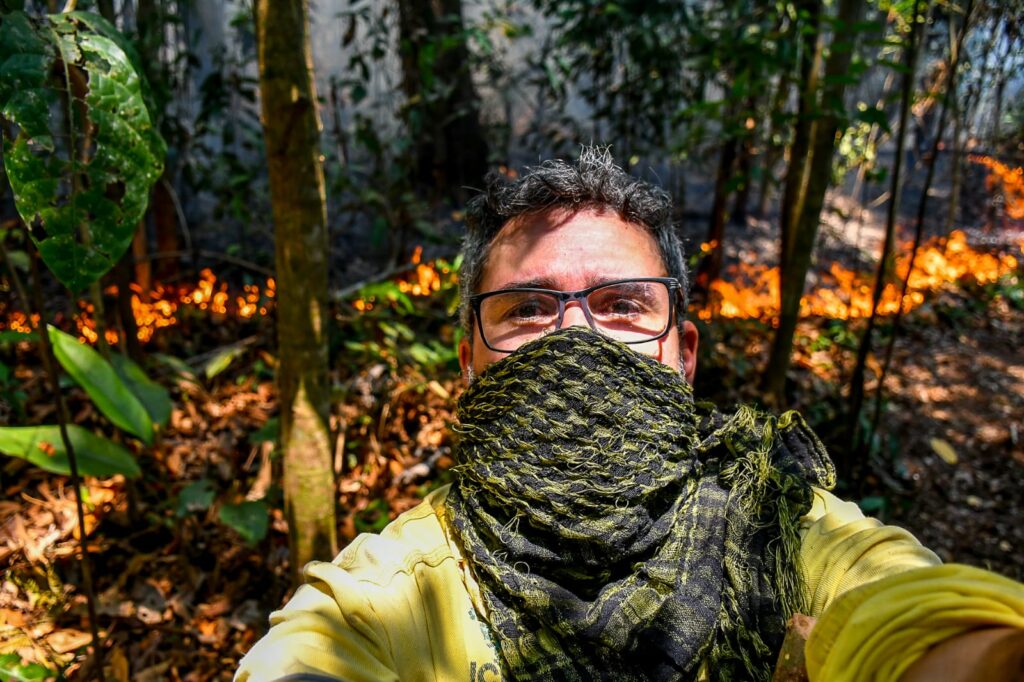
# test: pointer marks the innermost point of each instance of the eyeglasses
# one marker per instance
(628, 310)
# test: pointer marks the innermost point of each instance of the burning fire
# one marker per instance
(753, 292)
(1012, 181)
(164, 304)
(423, 280)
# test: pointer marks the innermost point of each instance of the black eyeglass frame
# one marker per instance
(564, 297)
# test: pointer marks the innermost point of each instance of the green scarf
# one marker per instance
(618, 529)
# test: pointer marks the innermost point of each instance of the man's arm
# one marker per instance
(978, 656)
(874, 621)
(880, 630)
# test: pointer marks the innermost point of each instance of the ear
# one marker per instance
(688, 350)
(465, 357)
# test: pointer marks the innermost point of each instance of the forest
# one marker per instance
(229, 265)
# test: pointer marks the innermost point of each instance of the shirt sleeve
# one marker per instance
(882, 599)
(878, 630)
(843, 549)
(390, 606)
(329, 628)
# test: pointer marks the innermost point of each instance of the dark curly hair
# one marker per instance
(594, 182)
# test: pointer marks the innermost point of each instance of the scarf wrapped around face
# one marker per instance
(618, 529)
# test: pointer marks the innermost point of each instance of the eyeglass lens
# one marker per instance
(627, 311)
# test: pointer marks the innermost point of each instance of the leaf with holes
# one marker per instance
(104, 386)
(86, 152)
(44, 447)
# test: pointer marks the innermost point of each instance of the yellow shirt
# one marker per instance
(402, 605)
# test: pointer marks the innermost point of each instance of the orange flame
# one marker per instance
(423, 280)
(753, 291)
(164, 305)
(1011, 180)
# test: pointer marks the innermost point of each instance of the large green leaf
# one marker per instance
(104, 386)
(152, 395)
(43, 446)
(249, 519)
(80, 184)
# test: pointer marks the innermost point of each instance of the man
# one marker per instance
(605, 525)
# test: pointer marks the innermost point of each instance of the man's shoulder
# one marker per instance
(415, 539)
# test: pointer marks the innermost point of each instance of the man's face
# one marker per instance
(568, 251)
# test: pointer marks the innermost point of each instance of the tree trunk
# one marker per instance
(711, 267)
(291, 129)
(772, 151)
(885, 259)
(800, 233)
(957, 148)
(743, 166)
(106, 8)
(442, 107)
(150, 24)
(955, 49)
(997, 115)
(799, 156)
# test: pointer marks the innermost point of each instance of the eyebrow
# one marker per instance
(549, 283)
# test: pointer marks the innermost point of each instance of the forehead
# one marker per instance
(559, 249)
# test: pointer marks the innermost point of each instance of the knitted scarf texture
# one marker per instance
(620, 530)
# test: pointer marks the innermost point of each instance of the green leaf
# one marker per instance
(13, 669)
(374, 518)
(104, 386)
(267, 432)
(196, 496)
(82, 204)
(222, 360)
(249, 519)
(873, 503)
(43, 446)
(12, 336)
(182, 370)
(19, 259)
(152, 395)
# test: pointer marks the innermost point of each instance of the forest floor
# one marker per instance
(182, 596)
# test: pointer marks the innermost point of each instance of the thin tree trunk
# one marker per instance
(800, 233)
(291, 128)
(106, 8)
(63, 419)
(922, 207)
(744, 161)
(799, 151)
(772, 150)
(958, 144)
(711, 267)
(997, 115)
(885, 259)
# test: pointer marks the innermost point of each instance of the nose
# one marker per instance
(574, 315)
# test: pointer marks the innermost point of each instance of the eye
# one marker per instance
(520, 308)
(621, 301)
(528, 309)
(620, 306)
